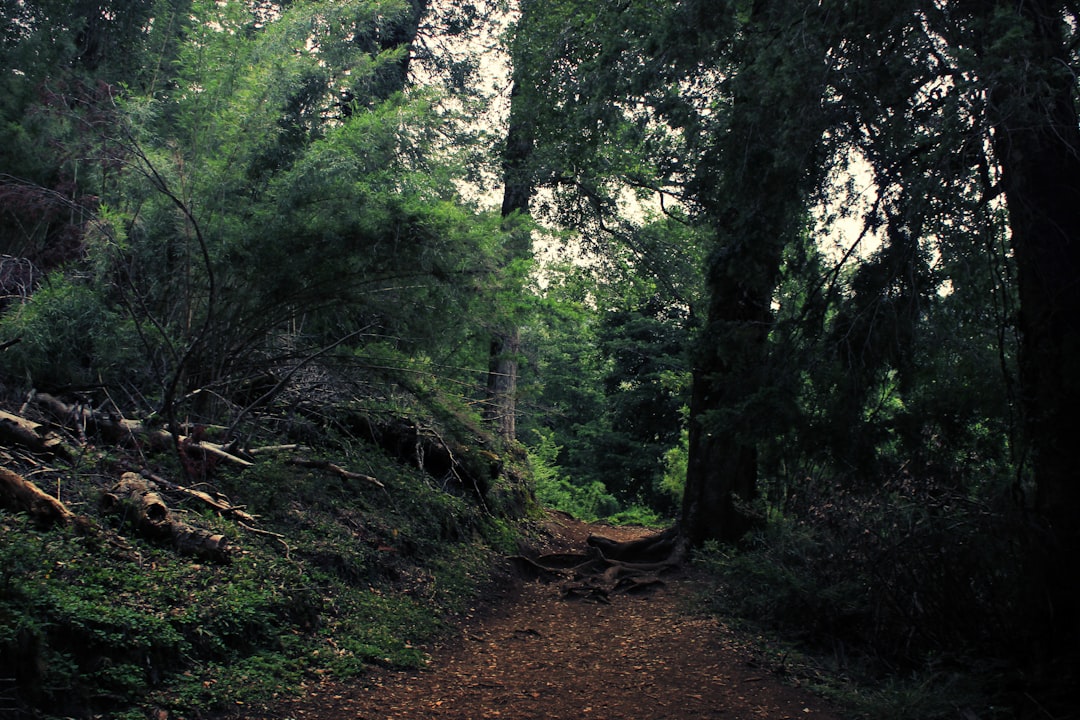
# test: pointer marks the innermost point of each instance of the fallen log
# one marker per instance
(137, 498)
(33, 436)
(20, 495)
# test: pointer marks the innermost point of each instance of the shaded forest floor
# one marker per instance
(531, 653)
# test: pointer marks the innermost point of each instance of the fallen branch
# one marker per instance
(117, 429)
(20, 495)
(277, 536)
(266, 449)
(223, 507)
(336, 469)
(164, 439)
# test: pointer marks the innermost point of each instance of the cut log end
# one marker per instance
(154, 520)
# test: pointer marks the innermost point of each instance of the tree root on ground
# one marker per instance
(608, 567)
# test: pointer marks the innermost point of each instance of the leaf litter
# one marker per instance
(534, 654)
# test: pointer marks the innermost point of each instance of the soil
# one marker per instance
(534, 654)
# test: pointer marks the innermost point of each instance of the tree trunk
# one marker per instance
(33, 436)
(20, 495)
(1037, 141)
(403, 34)
(501, 411)
(518, 186)
(754, 190)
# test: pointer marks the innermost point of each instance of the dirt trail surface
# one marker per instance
(538, 655)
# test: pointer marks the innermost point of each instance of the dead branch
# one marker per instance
(267, 449)
(118, 429)
(110, 426)
(277, 536)
(163, 439)
(219, 504)
(336, 469)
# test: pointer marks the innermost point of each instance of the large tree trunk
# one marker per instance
(1037, 143)
(754, 190)
(501, 411)
(721, 478)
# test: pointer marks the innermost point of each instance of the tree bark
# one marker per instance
(753, 189)
(154, 520)
(518, 187)
(501, 410)
(403, 34)
(608, 566)
(21, 495)
(1037, 142)
(33, 436)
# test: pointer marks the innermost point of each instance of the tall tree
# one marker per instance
(1026, 63)
(753, 189)
(518, 188)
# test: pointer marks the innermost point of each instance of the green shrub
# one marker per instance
(637, 515)
(587, 502)
(673, 482)
(68, 335)
(787, 577)
(910, 581)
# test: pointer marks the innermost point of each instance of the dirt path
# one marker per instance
(540, 656)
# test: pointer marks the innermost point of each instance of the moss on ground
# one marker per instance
(335, 575)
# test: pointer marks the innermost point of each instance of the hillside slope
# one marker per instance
(325, 545)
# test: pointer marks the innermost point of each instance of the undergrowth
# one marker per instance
(336, 576)
(589, 502)
(894, 603)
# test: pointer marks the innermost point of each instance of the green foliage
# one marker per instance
(610, 357)
(674, 480)
(269, 194)
(84, 626)
(638, 515)
(588, 502)
(352, 575)
(69, 335)
(906, 581)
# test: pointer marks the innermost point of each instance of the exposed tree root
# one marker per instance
(608, 566)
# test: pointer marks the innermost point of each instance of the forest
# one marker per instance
(308, 308)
